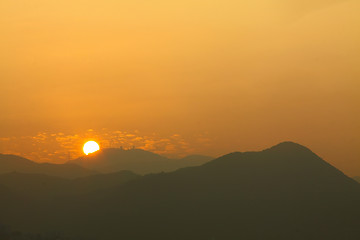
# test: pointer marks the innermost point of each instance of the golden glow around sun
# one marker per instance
(90, 147)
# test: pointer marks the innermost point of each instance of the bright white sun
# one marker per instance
(90, 147)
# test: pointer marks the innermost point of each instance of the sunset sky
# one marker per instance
(180, 77)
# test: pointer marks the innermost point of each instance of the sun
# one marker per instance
(90, 147)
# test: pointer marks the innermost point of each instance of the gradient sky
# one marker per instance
(181, 77)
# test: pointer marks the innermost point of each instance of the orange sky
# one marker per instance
(220, 76)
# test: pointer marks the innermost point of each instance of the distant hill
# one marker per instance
(12, 163)
(285, 192)
(194, 160)
(40, 185)
(136, 160)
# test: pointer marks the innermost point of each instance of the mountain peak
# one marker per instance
(291, 150)
(289, 146)
(286, 158)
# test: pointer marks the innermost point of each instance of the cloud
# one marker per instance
(60, 147)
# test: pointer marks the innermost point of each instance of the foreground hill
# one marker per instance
(285, 192)
(11, 163)
(5, 194)
(136, 160)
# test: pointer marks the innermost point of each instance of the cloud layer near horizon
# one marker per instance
(61, 147)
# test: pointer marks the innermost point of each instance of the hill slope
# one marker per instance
(136, 160)
(12, 163)
(357, 178)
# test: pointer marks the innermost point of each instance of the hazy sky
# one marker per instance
(189, 76)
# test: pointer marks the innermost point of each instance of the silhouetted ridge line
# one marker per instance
(287, 153)
(139, 161)
(12, 163)
(357, 178)
(284, 192)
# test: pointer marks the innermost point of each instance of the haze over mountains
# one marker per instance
(137, 160)
(12, 163)
(285, 192)
(108, 160)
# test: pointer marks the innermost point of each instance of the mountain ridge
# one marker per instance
(13, 163)
(284, 192)
(109, 160)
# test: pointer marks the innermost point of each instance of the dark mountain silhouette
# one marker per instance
(357, 178)
(102, 181)
(33, 184)
(40, 185)
(194, 160)
(12, 163)
(285, 192)
(5, 194)
(136, 160)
